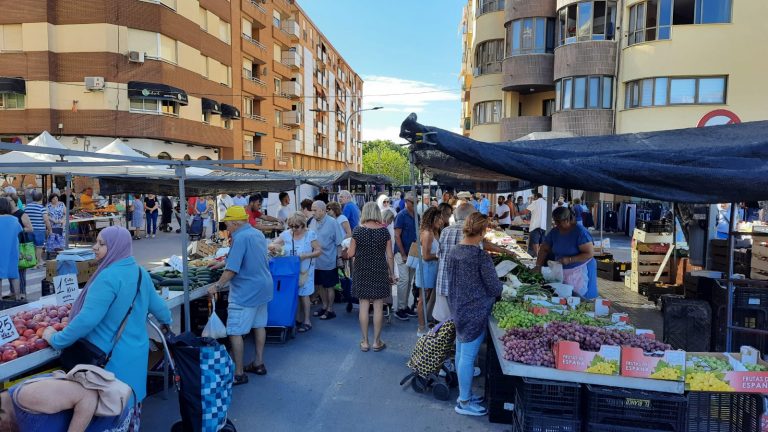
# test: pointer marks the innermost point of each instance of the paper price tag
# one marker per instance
(66, 289)
(8, 331)
(176, 263)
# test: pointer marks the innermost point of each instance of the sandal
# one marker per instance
(380, 347)
(303, 328)
(363, 347)
(318, 313)
(328, 315)
(240, 379)
(258, 370)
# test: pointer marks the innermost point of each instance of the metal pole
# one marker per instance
(601, 214)
(674, 244)
(420, 276)
(729, 303)
(182, 172)
(68, 179)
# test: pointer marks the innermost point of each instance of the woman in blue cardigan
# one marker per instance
(102, 305)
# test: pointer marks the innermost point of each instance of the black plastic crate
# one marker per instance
(642, 410)
(653, 290)
(656, 226)
(7, 304)
(698, 287)
(612, 270)
(501, 411)
(742, 317)
(687, 323)
(497, 385)
(549, 398)
(597, 427)
(526, 422)
(724, 412)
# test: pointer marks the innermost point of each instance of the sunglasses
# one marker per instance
(295, 226)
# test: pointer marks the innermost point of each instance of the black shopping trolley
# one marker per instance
(203, 373)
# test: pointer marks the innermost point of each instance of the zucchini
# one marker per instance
(172, 283)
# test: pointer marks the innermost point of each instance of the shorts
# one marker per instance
(222, 226)
(536, 237)
(241, 319)
(327, 278)
(39, 238)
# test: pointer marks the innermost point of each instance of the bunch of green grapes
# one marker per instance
(511, 315)
(709, 363)
(582, 318)
(756, 368)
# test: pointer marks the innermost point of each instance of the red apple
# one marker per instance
(54, 321)
(21, 329)
(53, 313)
(28, 333)
(10, 355)
(18, 322)
(39, 332)
(40, 344)
(22, 350)
(28, 315)
(58, 327)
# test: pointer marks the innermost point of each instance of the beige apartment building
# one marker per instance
(602, 67)
(180, 79)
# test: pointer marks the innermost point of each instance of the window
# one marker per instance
(663, 91)
(649, 21)
(224, 30)
(247, 28)
(227, 124)
(486, 6)
(585, 21)
(168, 50)
(154, 106)
(701, 11)
(488, 57)
(548, 107)
(278, 118)
(154, 45)
(10, 37)
(206, 117)
(276, 19)
(487, 112)
(530, 36)
(588, 92)
(12, 101)
(248, 146)
(203, 19)
(278, 86)
(247, 107)
(278, 149)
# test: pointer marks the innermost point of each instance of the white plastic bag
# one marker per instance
(556, 272)
(215, 329)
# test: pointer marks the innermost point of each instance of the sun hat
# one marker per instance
(464, 194)
(236, 213)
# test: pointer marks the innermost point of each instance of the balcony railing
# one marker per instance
(292, 28)
(249, 75)
(256, 117)
(258, 6)
(291, 59)
(258, 44)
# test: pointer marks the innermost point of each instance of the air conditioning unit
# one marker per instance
(135, 57)
(94, 83)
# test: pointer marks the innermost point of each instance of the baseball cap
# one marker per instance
(236, 213)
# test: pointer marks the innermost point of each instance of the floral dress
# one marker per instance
(56, 238)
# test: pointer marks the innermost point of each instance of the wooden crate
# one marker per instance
(644, 237)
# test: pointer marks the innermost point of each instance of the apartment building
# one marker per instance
(603, 66)
(180, 79)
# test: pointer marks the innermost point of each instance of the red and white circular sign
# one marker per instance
(719, 117)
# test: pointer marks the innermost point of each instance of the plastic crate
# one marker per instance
(497, 385)
(526, 422)
(549, 398)
(724, 412)
(501, 411)
(687, 323)
(656, 226)
(597, 427)
(749, 318)
(642, 410)
(653, 291)
(612, 270)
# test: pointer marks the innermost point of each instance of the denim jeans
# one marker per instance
(466, 354)
(152, 223)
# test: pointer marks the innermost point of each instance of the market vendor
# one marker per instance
(571, 245)
(254, 211)
(86, 200)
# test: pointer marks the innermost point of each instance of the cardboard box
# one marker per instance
(570, 357)
(85, 269)
(712, 381)
(634, 363)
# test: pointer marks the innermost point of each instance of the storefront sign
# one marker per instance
(66, 289)
(719, 117)
(8, 331)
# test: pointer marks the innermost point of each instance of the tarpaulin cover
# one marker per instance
(195, 186)
(697, 165)
(331, 178)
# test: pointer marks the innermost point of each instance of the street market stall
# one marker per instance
(587, 354)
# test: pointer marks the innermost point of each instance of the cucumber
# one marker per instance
(172, 283)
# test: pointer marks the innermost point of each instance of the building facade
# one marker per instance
(180, 79)
(596, 67)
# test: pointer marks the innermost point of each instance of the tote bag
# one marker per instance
(27, 255)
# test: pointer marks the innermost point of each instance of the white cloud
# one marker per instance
(398, 93)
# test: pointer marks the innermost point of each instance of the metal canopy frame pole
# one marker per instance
(68, 180)
(674, 244)
(420, 268)
(729, 303)
(181, 172)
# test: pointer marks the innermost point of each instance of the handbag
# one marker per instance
(413, 255)
(27, 255)
(84, 351)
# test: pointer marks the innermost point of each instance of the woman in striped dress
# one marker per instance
(40, 225)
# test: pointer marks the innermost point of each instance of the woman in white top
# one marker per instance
(502, 214)
(298, 241)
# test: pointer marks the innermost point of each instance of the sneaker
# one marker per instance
(420, 332)
(153, 236)
(475, 399)
(411, 312)
(147, 236)
(471, 409)
(401, 315)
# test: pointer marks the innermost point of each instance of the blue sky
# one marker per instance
(398, 46)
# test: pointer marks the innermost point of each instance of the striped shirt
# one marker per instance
(35, 212)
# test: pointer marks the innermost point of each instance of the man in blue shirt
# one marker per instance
(250, 290)
(326, 271)
(483, 205)
(405, 235)
(349, 209)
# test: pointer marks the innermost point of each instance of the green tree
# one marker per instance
(387, 158)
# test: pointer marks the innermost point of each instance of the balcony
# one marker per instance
(283, 133)
(254, 9)
(282, 69)
(256, 43)
(340, 136)
(281, 37)
(292, 146)
(291, 27)
(256, 124)
(516, 9)
(529, 72)
(583, 122)
(292, 118)
(291, 59)
(283, 102)
(321, 129)
(254, 86)
(585, 58)
(513, 128)
(257, 157)
(298, 134)
(291, 89)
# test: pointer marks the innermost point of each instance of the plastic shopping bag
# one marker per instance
(215, 329)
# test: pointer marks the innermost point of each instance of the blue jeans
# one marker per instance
(151, 223)
(466, 354)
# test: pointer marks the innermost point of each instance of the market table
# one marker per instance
(540, 372)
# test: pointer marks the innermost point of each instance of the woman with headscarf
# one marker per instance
(383, 202)
(118, 283)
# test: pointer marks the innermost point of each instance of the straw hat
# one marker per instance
(464, 195)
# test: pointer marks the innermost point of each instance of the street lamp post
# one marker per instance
(346, 123)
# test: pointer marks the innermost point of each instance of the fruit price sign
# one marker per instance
(8, 331)
(66, 289)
